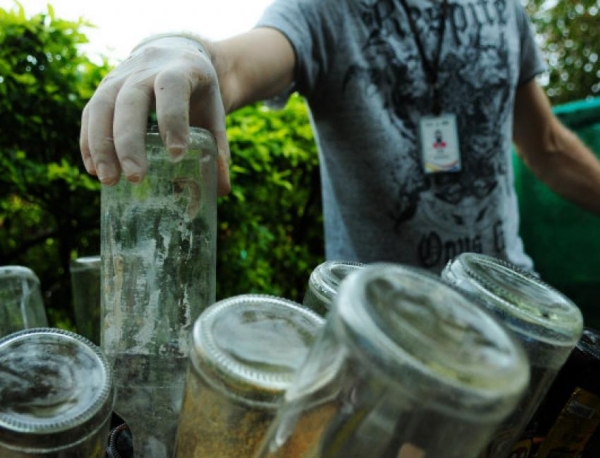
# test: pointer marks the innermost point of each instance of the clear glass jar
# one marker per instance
(158, 274)
(405, 366)
(324, 282)
(85, 286)
(246, 351)
(21, 302)
(56, 396)
(546, 322)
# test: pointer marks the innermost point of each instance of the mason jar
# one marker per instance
(324, 282)
(21, 302)
(158, 250)
(405, 366)
(56, 396)
(85, 288)
(547, 324)
(246, 350)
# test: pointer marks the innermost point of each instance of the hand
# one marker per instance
(172, 74)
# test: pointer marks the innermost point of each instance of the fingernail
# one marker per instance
(132, 171)
(89, 166)
(176, 152)
(106, 172)
(175, 148)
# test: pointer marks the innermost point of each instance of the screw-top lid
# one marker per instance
(527, 305)
(325, 279)
(250, 346)
(431, 341)
(10, 272)
(55, 389)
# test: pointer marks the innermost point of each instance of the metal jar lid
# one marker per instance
(250, 346)
(526, 304)
(56, 389)
(430, 341)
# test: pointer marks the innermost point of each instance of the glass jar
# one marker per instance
(547, 324)
(570, 413)
(56, 396)
(324, 282)
(85, 286)
(21, 302)
(158, 249)
(246, 351)
(405, 366)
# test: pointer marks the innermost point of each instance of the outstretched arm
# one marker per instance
(554, 153)
(190, 82)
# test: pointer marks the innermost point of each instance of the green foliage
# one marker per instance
(49, 206)
(569, 32)
(270, 226)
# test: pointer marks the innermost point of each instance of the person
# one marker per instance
(380, 77)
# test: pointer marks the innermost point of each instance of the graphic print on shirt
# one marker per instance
(475, 76)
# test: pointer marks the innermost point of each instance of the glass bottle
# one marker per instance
(405, 366)
(246, 351)
(546, 322)
(21, 302)
(56, 396)
(158, 274)
(324, 282)
(85, 286)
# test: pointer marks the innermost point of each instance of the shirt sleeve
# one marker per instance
(307, 24)
(532, 63)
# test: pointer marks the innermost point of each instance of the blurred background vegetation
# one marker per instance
(270, 228)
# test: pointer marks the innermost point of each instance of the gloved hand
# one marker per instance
(173, 74)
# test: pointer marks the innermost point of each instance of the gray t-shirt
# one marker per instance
(359, 68)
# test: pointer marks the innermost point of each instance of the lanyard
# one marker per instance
(431, 71)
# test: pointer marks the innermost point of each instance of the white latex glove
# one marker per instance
(174, 75)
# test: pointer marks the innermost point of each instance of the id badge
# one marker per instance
(439, 144)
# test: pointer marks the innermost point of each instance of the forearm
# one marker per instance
(254, 66)
(569, 168)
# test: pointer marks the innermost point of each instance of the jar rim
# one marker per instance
(85, 262)
(18, 272)
(199, 139)
(527, 304)
(325, 279)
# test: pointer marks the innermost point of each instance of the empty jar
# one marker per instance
(246, 351)
(546, 322)
(324, 282)
(85, 286)
(158, 250)
(405, 366)
(21, 302)
(56, 396)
